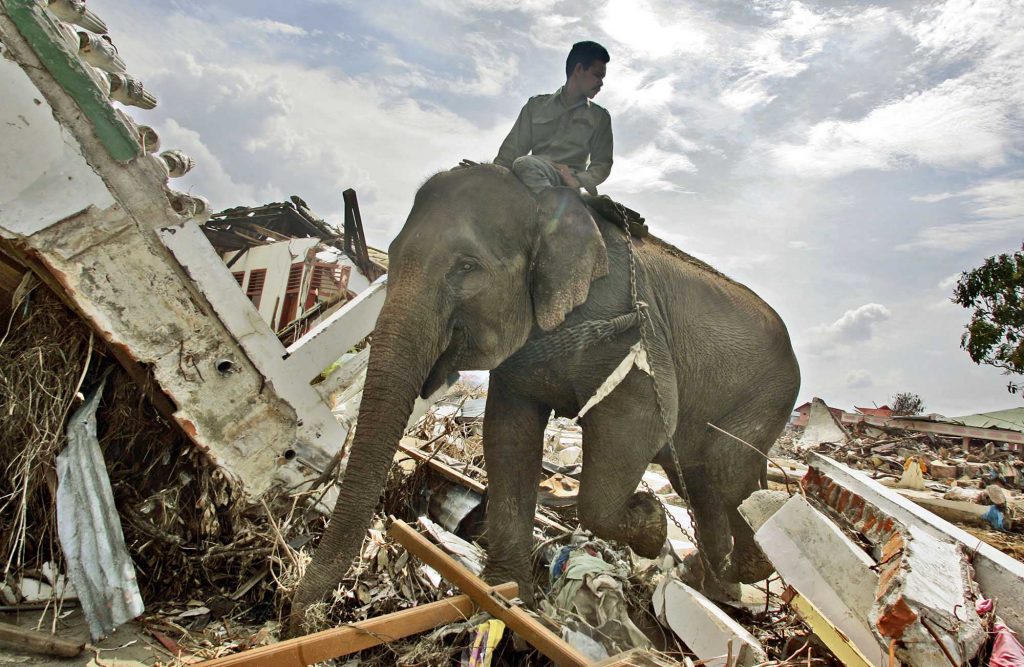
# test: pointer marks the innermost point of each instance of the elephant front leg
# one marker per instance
(513, 448)
(620, 438)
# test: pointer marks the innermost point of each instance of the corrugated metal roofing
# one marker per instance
(1012, 419)
(89, 527)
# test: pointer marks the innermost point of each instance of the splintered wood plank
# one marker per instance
(347, 639)
(526, 626)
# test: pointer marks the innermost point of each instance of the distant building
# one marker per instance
(801, 412)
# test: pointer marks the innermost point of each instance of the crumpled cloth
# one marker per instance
(1006, 649)
(591, 590)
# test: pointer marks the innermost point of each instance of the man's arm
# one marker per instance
(519, 139)
(600, 157)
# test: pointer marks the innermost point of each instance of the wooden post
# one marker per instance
(528, 627)
(40, 642)
(336, 642)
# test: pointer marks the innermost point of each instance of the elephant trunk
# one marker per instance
(402, 354)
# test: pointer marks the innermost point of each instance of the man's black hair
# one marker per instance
(586, 54)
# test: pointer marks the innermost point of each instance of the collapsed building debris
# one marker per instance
(230, 397)
(292, 265)
(868, 506)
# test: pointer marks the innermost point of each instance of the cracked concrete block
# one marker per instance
(760, 505)
(815, 557)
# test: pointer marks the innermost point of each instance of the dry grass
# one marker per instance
(43, 358)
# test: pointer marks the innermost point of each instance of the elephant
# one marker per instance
(482, 267)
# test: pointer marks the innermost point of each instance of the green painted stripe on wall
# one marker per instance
(41, 32)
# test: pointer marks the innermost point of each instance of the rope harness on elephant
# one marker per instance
(573, 339)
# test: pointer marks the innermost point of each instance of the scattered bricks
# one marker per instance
(974, 470)
(940, 470)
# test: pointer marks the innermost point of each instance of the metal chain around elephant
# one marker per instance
(644, 314)
(671, 517)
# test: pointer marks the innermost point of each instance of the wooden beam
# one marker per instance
(454, 475)
(836, 641)
(40, 642)
(337, 642)
(528, 627)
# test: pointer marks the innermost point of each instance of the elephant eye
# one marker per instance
(466, 266)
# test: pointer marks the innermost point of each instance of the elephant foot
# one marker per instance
(646, 526)
(499, 575)
(693, 572)
(751, 565)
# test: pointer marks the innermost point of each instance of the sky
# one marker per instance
(846, 161)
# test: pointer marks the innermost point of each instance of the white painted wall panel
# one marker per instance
(43, 176)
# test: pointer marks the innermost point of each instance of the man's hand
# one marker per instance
(567, 176)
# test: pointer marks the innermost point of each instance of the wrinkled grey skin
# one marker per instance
(479, 267)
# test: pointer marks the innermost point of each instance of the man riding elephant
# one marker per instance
(563, 138)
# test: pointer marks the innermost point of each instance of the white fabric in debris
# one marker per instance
(90, 529)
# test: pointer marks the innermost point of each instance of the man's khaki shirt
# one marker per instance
(579, 137)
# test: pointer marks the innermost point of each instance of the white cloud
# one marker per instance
(859, 379)
(932, 198)
(465, 7)
(746, 95)
(274, 27)
(798, 245)
(653, 32)
(997, 211)
(959, 28)
(854, 326)
(949, 282)
(958, 124)
(648, 169)
(968, 120)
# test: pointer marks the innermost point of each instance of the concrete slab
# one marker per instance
(925, 596)
(814, 556)
(822, 426)
(707, 630)
(998, 575)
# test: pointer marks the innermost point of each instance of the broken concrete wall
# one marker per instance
(925, 601)
(822, 426)
(81, 203)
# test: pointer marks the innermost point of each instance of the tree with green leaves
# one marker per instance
(995, 334)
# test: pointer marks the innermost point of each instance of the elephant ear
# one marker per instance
(569, 254)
